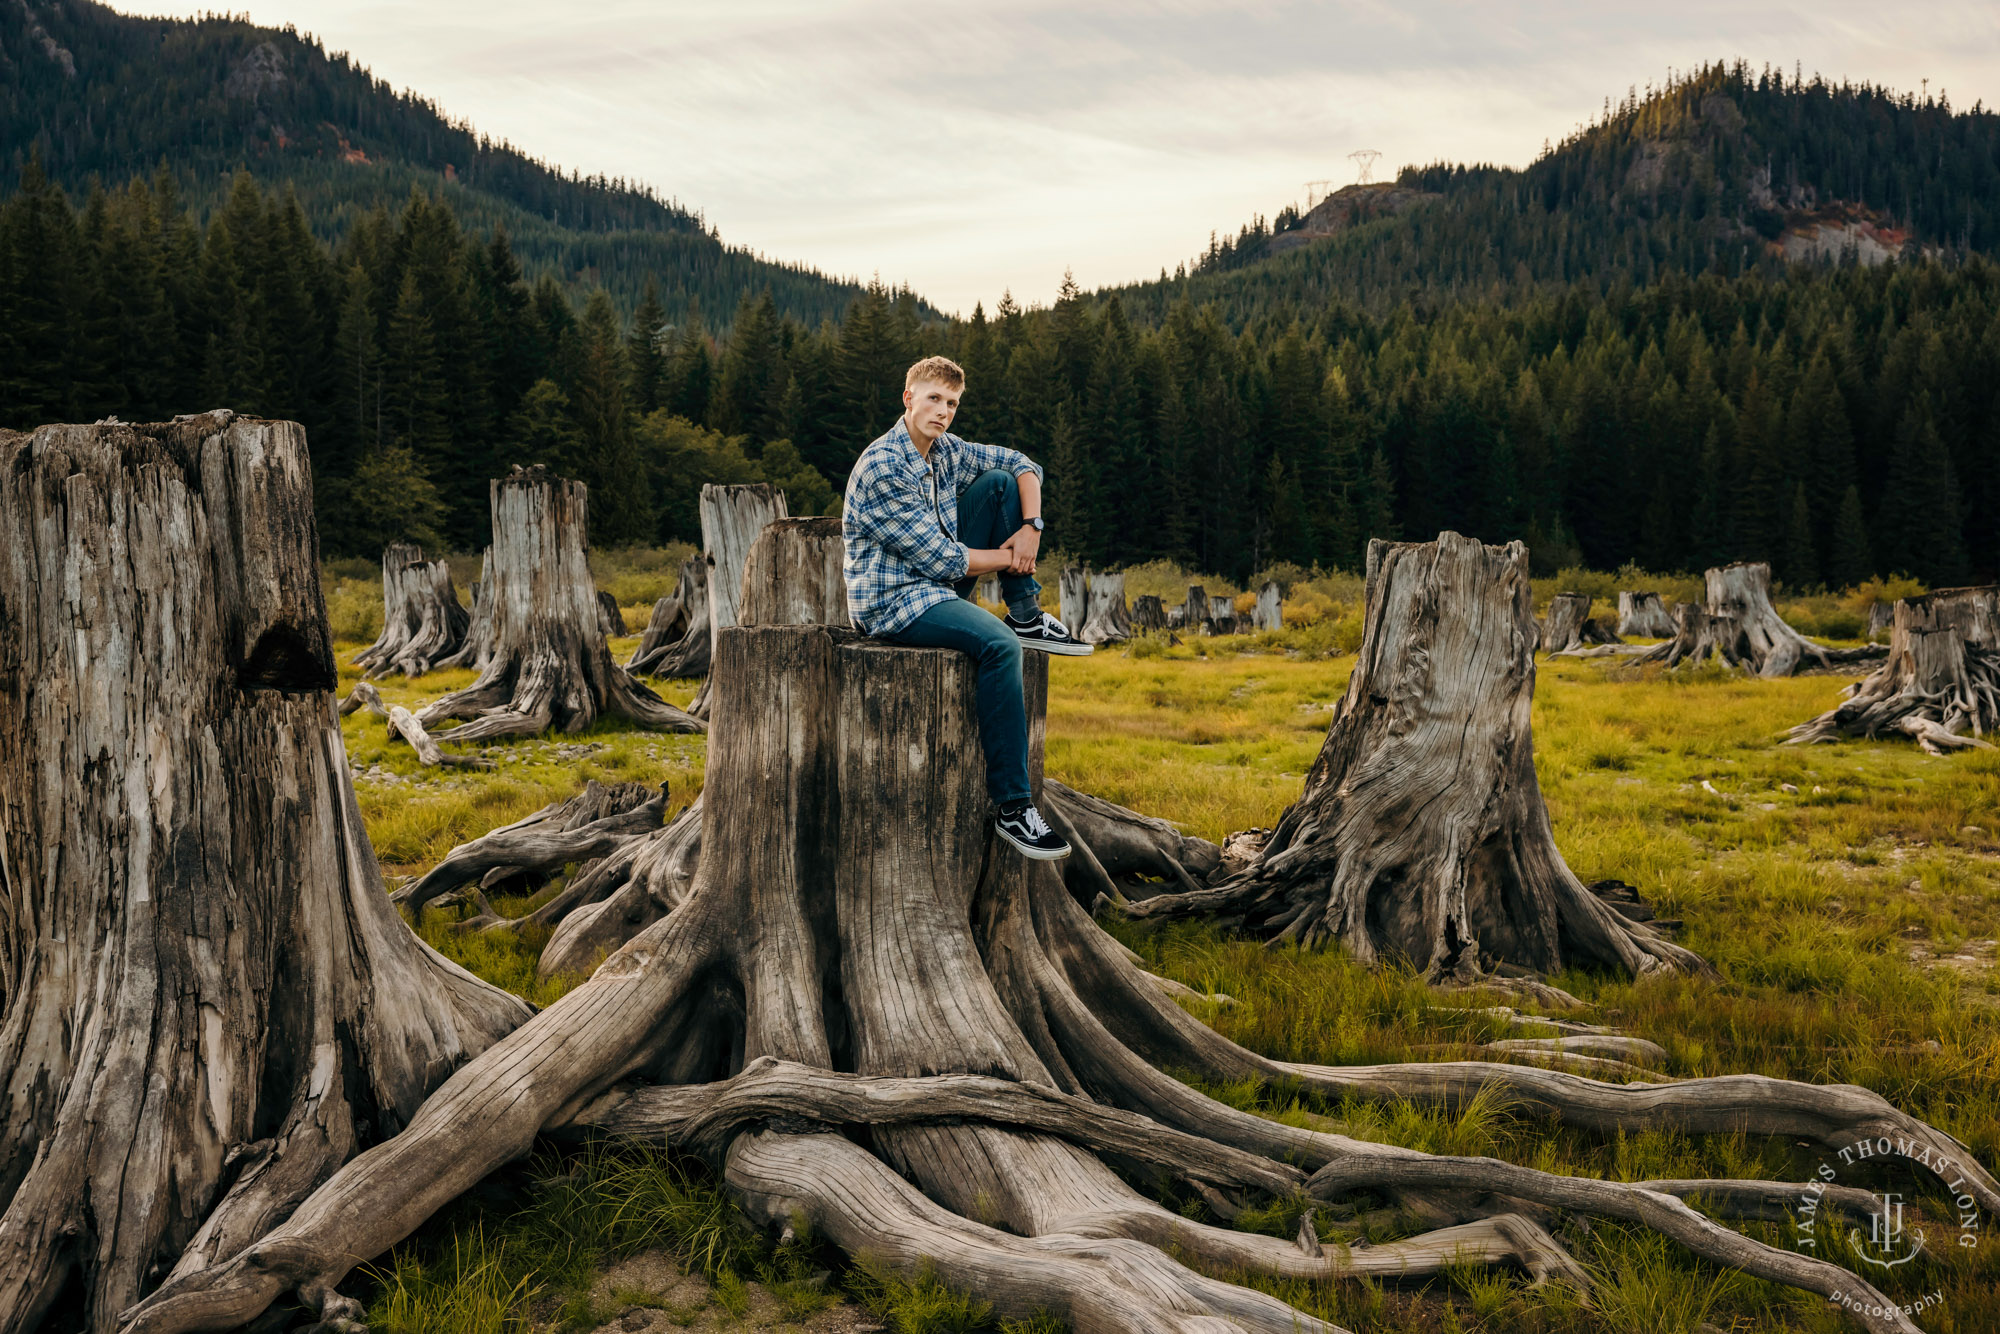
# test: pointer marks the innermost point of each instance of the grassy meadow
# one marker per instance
(1848, 895)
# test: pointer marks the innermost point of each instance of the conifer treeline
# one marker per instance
(1838, 423)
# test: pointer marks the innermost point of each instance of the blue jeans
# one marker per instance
(989, 512)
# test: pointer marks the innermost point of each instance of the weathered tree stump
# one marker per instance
(207, 1003)
(856, 950)
(1421, 833)
(1073, 597)
(1108, 622)
(1881, 619)
(1194, 611)
(477, 649)
(550, 666)
(1148, 613)
(678, 641)
(1742, 629)
(423, 624)
(987, 590)
(1570, 625)
(731, 519)
(1269, 614)
(1221, 616)
(1940, 682)
(1643, 616)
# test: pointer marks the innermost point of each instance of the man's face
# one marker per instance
(930, 405)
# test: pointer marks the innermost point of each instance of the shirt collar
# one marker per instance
(899, 436)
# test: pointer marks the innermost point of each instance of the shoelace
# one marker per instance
(1037, 826)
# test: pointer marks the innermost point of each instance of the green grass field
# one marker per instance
(1848, 895)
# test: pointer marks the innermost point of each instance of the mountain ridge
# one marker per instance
(98, 95)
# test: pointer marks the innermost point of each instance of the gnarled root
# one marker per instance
(1118, 850)
(589, 825)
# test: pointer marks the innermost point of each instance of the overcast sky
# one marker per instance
(972, 148)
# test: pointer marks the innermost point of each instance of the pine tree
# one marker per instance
(1848, 562)
(752, 377)
(645, 357)
(541, 431)
(620, 506)
(1796, 564)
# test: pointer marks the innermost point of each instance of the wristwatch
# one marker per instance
(1035, 522)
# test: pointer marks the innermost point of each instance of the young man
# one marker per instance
(926, 514)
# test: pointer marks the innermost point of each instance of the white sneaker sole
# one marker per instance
(1032, 853)
(1063, 650)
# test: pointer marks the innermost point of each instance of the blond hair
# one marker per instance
(942, 369)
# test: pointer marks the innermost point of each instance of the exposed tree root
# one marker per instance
(589, 825)
(676, 638)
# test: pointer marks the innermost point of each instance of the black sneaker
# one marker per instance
(1047, 634)
(1025, 828)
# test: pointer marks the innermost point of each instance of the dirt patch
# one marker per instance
(650, 1293)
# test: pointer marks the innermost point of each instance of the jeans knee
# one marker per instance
(1002, 650)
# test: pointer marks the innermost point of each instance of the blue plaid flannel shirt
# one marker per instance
(899, 524)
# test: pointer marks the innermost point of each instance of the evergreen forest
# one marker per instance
(1678, 408)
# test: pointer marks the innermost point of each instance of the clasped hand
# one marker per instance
(1021, 550)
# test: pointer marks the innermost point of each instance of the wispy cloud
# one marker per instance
(993, 145)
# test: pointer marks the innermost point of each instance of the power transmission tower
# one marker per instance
(1316, 191)
(1364, 164)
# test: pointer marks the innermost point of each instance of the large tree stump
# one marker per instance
(550, 666)
(1881, 619)
(1421, 833)
(1941, 680)
(1108, 622)
(1269, 614)
(423, 623)
(731, 519)
(1570, 625)
(857, 950)
(1194, 610)
(1221, 616)
(477, 649)
(610, 619)
(1073, 597)
(1643, 616)
(1740, 628)
(207, 1003)
(678, 639)
(1148, 613)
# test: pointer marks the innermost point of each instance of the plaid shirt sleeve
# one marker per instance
(892, 509)
(975, 459)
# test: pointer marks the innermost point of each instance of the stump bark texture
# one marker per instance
(1073, 597)
(1148, 613)
(1642, 615)
(477, 648)
(1269, 613)
(1940, 685)
(550, 666)
(872, 1016)
(731, 519)
(423, 623)
(1421, 833)
(678, 640)
(207, 1004)
(1194, 610)
(1109, 622)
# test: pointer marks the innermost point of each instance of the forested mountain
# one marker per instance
(1722, 171)
(100, 95)
(1836, 418)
